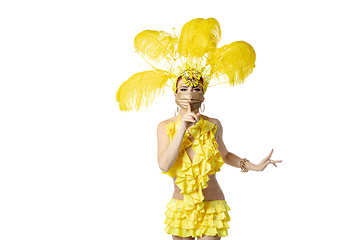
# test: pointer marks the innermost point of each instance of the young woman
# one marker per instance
(194, 157)
(190, 146)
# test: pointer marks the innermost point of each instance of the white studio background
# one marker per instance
(74, 167)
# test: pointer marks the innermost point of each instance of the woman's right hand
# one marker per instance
(189, 119)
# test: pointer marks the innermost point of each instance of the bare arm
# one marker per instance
(228, 157)
(168, 152)
(233, 160)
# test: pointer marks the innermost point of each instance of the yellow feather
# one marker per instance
(155, 45)
(141, 89)
(199, 37)
(234, 62)
(195, 48)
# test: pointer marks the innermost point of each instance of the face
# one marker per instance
(185, 93)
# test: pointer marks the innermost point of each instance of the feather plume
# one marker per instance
(234, 62)
(155, 45)
(199, 37)
(141, 89)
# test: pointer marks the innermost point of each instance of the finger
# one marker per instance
(265, 160)
(189, 119)
(268, 156)
(191, 116)
(188, 107)
(277, 161)
(195, 116)
(270, 153)
(271, 161)
(275, 165)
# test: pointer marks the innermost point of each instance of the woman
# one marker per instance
(190, 145)
(178, 222)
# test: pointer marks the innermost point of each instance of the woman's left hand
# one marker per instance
(263, 164)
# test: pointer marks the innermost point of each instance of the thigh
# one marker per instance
(182, 238)
(209, 238)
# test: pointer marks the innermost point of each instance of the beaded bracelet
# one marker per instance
(243, 165)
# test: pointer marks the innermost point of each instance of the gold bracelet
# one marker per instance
(243, 165)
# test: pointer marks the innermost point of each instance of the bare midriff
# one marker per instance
(211, 192)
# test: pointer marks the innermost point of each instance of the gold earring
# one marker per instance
(202, 110)
(177, 112)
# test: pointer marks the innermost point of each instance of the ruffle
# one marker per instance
(212, 220)
(192, 176)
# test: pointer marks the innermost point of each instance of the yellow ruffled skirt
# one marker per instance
(212, 220)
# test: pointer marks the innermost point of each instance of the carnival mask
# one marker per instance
(195, 99)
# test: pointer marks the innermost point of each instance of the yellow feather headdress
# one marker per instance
(192, 55)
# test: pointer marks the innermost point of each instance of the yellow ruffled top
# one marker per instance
(192, 176)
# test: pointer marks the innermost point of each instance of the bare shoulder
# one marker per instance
(167, 121)
(212, 120)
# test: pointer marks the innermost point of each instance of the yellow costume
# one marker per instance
(195, 56)
(192, 216)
